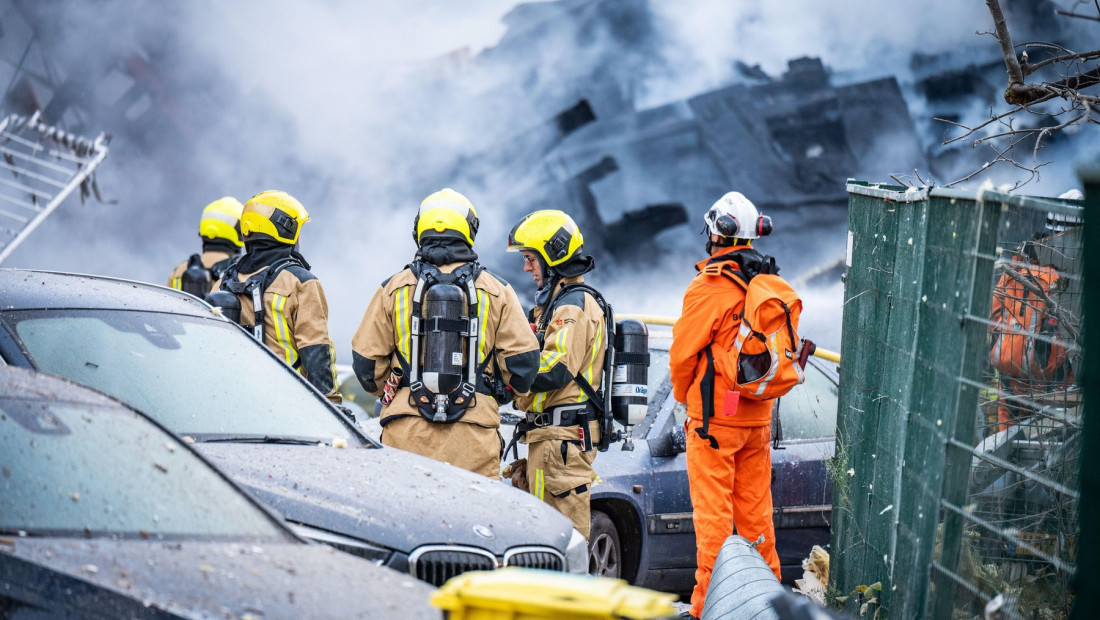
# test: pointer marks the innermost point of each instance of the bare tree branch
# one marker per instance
(1038, 109)
(1032, 68)
(1015, 75)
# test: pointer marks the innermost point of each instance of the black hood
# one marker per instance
(576, 266)
(443, 251)
(263, 252)
(219, 245)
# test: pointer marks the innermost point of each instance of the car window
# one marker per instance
(809, 410)
(196, 376)
(70, 469)
(658, 369)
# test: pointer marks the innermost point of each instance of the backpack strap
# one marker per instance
(218, 269)
(600, 399)
(255, 287)
(706, 391)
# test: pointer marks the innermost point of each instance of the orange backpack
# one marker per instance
(770, 356)
(1019, 312)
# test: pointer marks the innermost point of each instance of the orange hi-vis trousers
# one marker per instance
(730, 488)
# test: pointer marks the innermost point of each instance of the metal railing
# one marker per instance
(40, 165)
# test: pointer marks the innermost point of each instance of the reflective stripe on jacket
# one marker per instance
(711, 316)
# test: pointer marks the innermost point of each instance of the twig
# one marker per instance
(1095, 18)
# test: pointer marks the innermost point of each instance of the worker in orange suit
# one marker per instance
(728, 437)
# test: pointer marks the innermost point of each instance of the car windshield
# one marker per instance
(83, 470)
(198, 377)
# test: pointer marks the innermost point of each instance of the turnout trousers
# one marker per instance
(730, 489)
(560, 473)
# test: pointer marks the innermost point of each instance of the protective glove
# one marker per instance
(517, 472)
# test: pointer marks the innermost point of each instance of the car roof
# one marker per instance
(29, 290)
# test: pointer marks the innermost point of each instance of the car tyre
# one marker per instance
(605, 558)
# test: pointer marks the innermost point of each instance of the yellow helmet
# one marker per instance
(221, 219)
(551, 233)
(274, 213)
(446, 213)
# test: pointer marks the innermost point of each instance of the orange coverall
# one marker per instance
(731, 485)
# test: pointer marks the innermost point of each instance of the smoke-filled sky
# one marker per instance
(362, 108)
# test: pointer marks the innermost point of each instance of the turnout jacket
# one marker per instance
(296, 325)
(209, 259)
(386, 330)
(711, 316)
(574, 343)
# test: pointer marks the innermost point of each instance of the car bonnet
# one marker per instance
(390, 497)
(208, 579)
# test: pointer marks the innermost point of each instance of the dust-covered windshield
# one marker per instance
(79, 470)
(199, 377)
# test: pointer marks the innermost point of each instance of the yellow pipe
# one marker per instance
(653, 319)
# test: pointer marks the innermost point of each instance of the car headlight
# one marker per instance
(354, 546)
(576, 554)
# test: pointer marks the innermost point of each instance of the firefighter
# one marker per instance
(273, 283)
(561, 424)
(220, 231)
(729, 477)
(444, 342)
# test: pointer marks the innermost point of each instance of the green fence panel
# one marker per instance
(943, 507)
(877, 358)
(955, 281)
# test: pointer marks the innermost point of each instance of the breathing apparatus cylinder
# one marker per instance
(630, 382)
(445, 305)
(229, 303)
(196, 279)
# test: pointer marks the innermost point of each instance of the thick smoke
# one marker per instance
(362, 109)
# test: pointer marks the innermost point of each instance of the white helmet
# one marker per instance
(735, 216)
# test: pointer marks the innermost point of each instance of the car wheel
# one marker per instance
(604, 553)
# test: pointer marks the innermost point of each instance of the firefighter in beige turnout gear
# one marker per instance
(386, 346)
(220, 231)
(275, 277)
(560, 428)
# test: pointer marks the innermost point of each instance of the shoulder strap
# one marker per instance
(255, 287)
(218, 269)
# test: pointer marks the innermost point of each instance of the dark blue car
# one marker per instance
(642, 528)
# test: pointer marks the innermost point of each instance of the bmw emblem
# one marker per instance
(484, 531)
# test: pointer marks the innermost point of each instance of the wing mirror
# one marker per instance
(679, 439)
(670, 441)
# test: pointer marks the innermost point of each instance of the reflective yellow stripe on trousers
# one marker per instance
(540, 484)
(282, 329)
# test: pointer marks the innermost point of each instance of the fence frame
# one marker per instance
(914, 345)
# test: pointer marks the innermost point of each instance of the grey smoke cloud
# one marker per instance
(360, 109)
